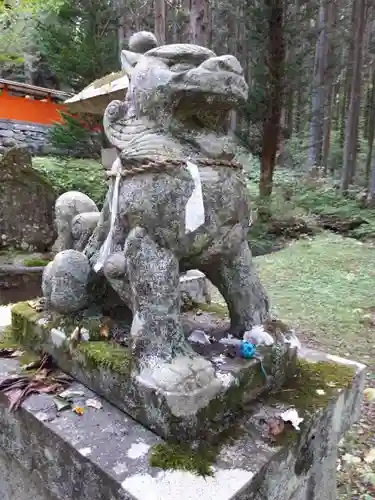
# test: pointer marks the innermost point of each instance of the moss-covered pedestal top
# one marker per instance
(92, 350)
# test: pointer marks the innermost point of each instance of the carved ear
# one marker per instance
(128, 60)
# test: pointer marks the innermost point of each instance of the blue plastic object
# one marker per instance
(247, 350)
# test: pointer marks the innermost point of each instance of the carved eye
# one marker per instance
(115, 110)
(180, 67)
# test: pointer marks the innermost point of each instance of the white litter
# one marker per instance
(292, 416)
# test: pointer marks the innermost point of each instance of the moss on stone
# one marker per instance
(105, 354)
(170, 456)
(198, 460)
(35, 262)
(93, 354)
(24, 319)
(69, 323)
(301, 393)
(201, 459)
(218, 309)
(315, 384)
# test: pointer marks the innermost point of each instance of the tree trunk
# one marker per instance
(200, 22)
(185, 21)
(271, 126)
(328, 90)
(351, 128)
(318, 91)
(371, 127)
(160, 21)
(371, 187)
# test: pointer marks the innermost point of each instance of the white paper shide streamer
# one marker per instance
(105, 249)
(194, 210)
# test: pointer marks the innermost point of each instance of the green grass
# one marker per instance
(67, 174)
(325, 288)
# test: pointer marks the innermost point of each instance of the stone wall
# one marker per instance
(34, 137)
(30, 135)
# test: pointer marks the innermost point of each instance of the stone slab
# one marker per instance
(183, 416)
(104, 454)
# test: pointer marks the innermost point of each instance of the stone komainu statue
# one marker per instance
(176, 201)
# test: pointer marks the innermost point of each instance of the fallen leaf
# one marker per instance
(275, 426)
(370, 457)
(18, 388)
(94, 403)
(104, 330)
(17, 354)
(370, 478)
(292, 416)
(78, 411)
(351, 459)
(45, 361)
(369, 394)
(320, 392)
(199, 337)
(70, 394)
(61, 403)
(7, 352)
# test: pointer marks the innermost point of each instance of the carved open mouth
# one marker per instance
(201, 110)
(205, 99)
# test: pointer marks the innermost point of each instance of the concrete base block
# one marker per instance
(104, 454)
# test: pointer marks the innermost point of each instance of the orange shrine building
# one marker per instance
(29, 103)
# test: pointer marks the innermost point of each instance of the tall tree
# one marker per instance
(81, 41)
(319, 87)
(275, 56)
(352, 122)
(160, 20)
(200, 22)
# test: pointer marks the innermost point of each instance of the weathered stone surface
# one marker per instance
(194, 287)
(65, 281)
(19, 283)
(27, 204)
(105, 455)
(75, 219)
(161, 398)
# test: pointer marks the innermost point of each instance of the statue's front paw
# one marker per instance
(187, 383)
(65, 280)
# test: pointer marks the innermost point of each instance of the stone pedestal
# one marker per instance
(104, 454)
(186, 414)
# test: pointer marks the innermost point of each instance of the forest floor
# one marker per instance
(324, 287)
